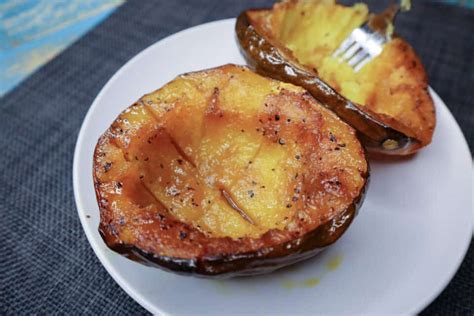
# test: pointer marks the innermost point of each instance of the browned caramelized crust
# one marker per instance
(225, 172)
(387, 101)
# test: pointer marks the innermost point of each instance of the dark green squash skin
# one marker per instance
(272, 60)
(264, 260)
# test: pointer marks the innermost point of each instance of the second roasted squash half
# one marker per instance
(387, 101)
(224, 172)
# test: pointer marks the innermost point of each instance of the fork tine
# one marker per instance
(360, 47)
(362, 63)
(351, 51)
(358, 57)
(348, 42)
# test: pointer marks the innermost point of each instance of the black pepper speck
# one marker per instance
(107, 166)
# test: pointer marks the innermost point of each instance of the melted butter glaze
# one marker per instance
(159, 178)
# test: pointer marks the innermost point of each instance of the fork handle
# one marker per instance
(380, 22)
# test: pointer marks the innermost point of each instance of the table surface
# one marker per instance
(32, 32)
(48, 265)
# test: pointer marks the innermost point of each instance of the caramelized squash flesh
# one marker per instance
(223, 162)
(392, 88)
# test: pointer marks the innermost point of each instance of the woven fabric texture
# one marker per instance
(47, 265)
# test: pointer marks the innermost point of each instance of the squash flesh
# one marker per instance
(393, 85)
(223, 151)
(175, 170)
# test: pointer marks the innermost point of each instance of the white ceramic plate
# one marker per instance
(404, 247)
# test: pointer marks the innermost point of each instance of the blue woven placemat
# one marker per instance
(47, 265)
(34, 31)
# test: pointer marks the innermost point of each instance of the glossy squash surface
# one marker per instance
(225, 172)
(386, 101)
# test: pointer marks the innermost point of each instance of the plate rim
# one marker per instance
(111, 270)
(100, 254)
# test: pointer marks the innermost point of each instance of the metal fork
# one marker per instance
(360, 47)
(366, 42)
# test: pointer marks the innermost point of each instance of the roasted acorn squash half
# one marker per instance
(387, 101)
(224, 172)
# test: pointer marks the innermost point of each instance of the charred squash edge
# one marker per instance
(264, 260)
